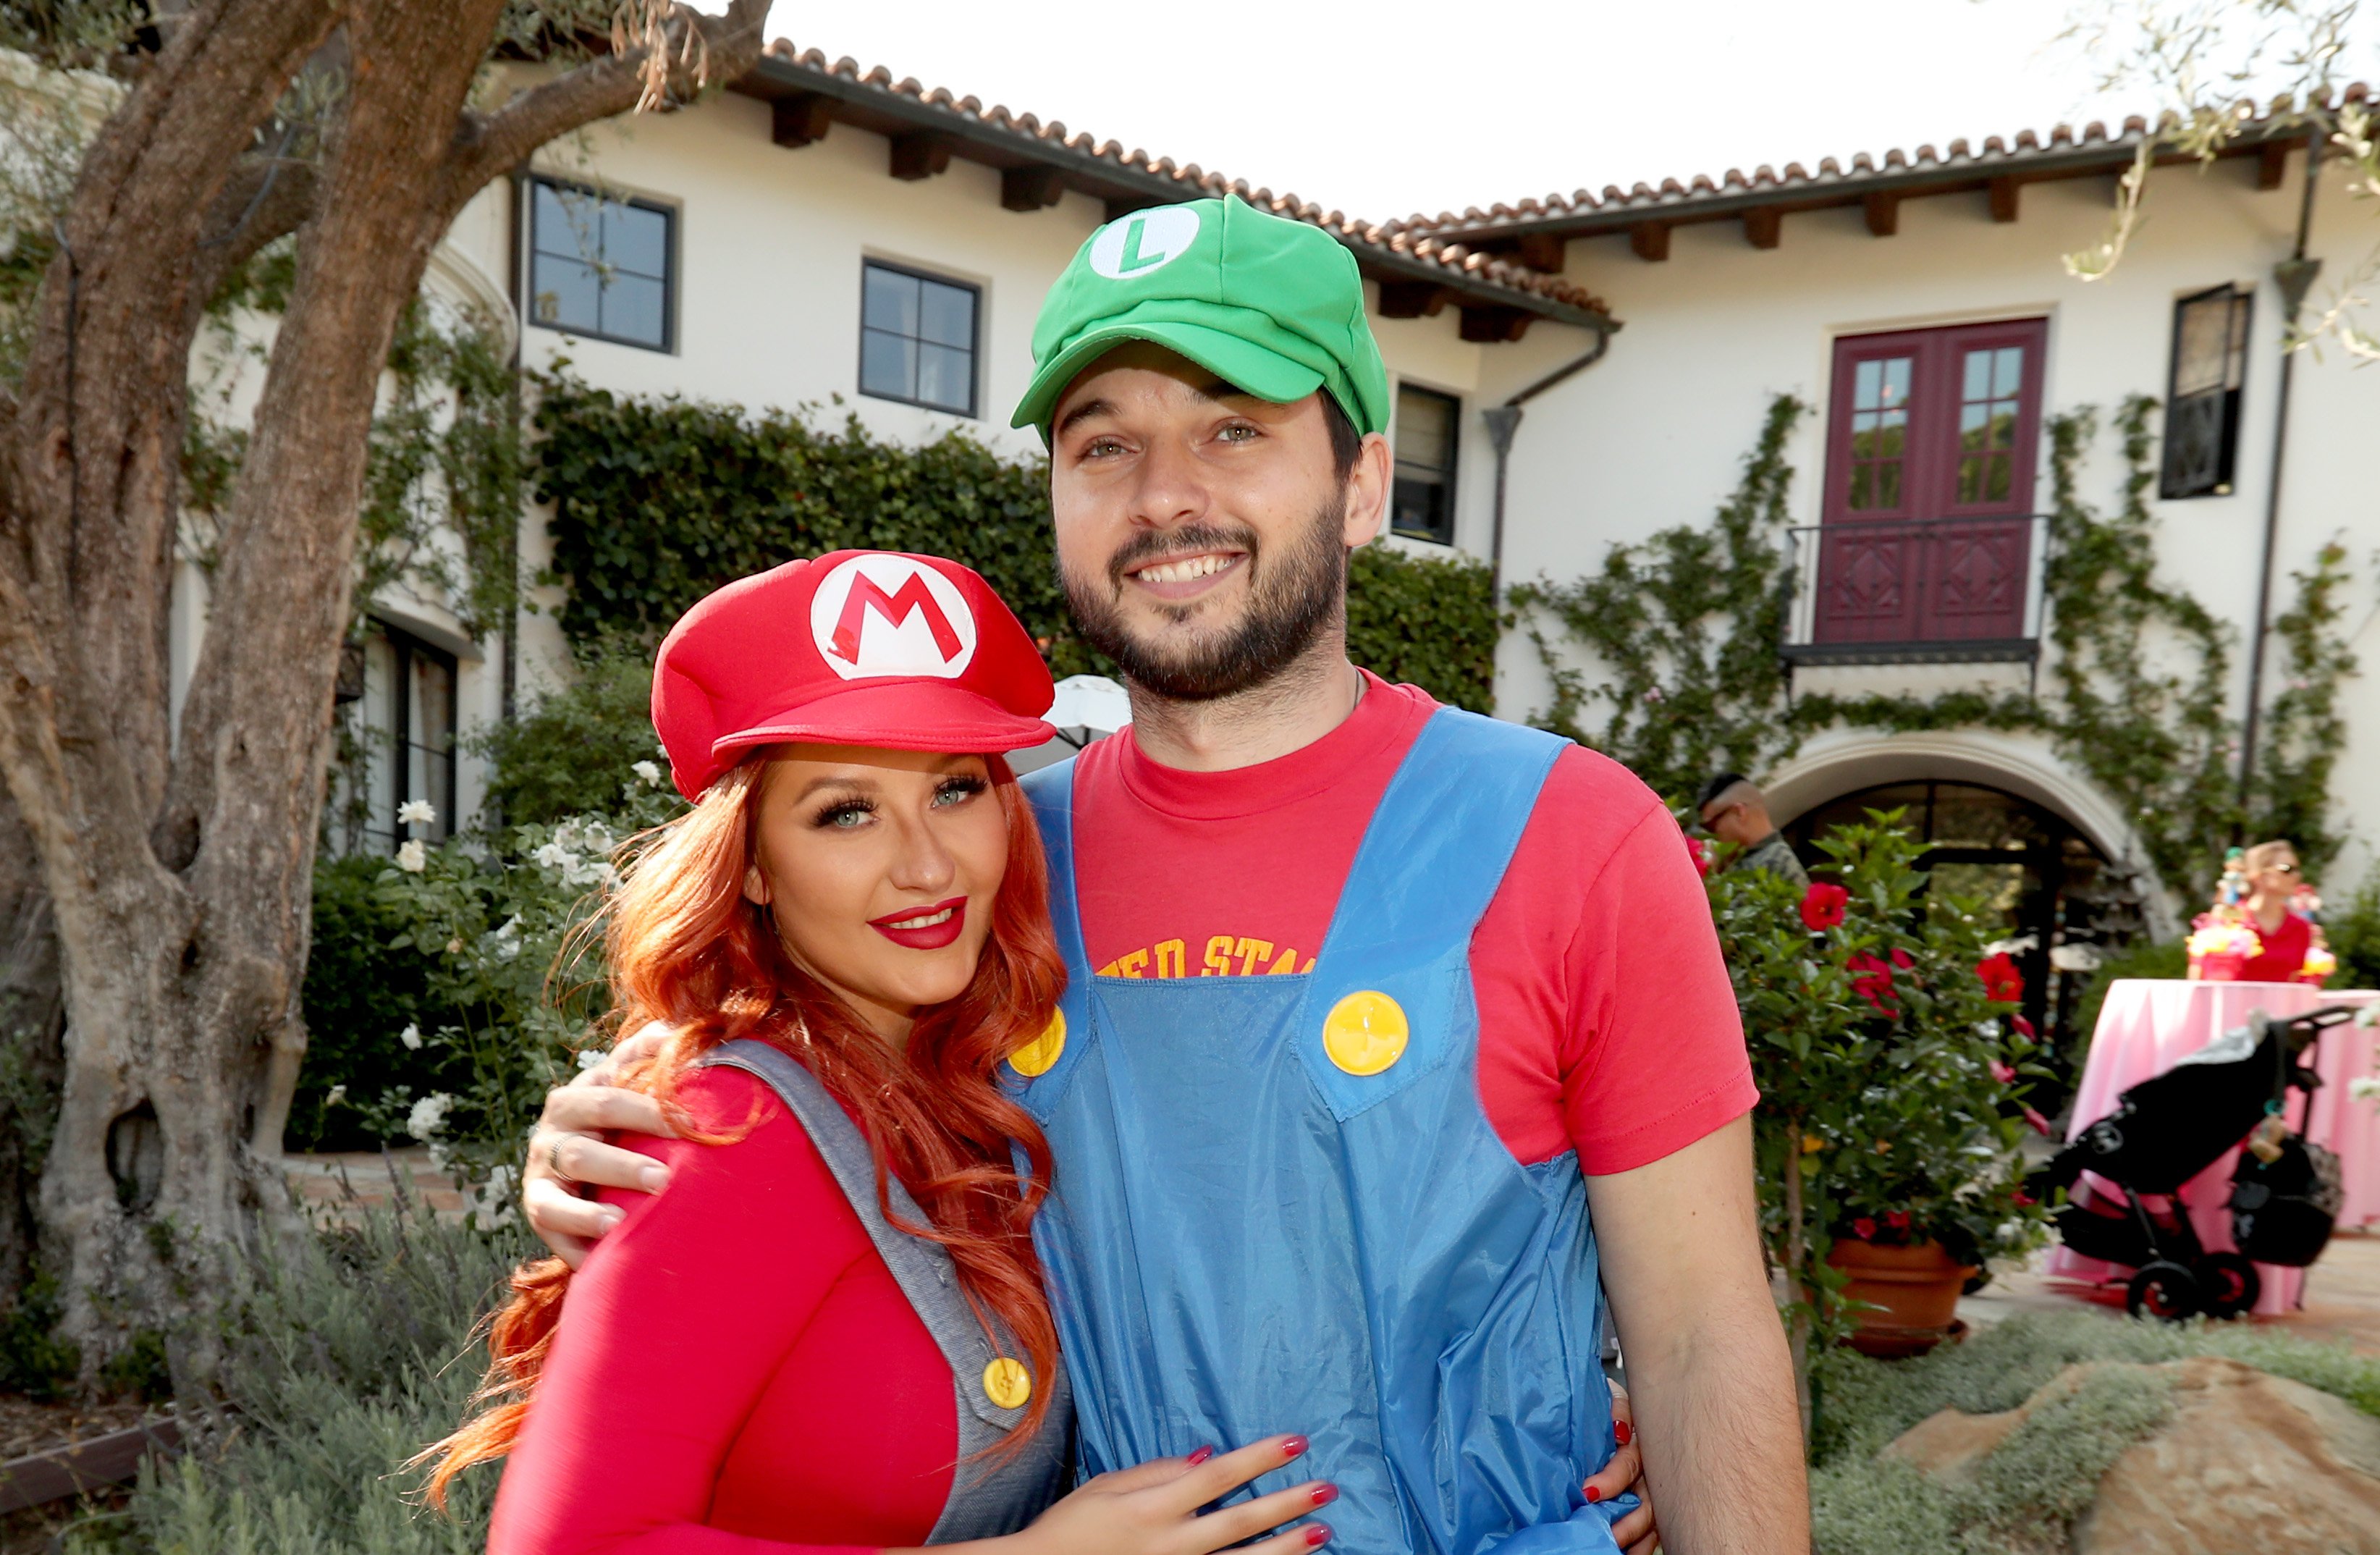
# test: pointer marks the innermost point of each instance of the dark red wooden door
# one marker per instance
(1926, 531)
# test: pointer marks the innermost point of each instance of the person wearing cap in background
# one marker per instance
(1734, 811)
(829, 1334)
(1392, 1035)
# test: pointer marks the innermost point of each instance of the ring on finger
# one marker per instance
(553, 1161)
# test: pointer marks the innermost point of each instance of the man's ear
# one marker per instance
(1368, 485)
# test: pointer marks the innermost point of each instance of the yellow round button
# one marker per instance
(1007, 1383)
(1364, 1032)
(1036, 1056)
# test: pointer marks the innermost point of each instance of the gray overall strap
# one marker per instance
(989, 1496)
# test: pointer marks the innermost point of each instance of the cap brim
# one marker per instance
(1266, 375)
(897, 715)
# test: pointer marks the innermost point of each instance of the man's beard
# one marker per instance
(1293, 598)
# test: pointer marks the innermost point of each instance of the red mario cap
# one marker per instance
(856, 647)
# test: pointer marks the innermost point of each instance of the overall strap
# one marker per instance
(1051, 791)
(922, 1269)
(1442, 837)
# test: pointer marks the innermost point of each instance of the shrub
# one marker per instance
(572, 753)
(351, 1347)
(2354, 935)
(360, 995)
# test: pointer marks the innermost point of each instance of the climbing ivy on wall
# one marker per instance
(1681, 632)
(658, 500)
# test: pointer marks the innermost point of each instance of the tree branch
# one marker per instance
(492, 144)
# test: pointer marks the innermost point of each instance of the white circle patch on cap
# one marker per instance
(1143, 241)
(888, 616)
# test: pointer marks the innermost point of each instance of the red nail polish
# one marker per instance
(1318, 1534)
(1325, 1494)
(1295, 1446)
(1201, 1455)
(1592, 1495)
(1620, 1428)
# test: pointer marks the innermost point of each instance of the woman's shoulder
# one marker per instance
(754, 1161)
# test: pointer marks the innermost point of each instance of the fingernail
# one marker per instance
(612, 1218)
(1592, 1495)
(1325, 1494)
(1201, 1455)
(1318, 1534)
(654, 1178)
(1621, 1430)
(1295, 1446)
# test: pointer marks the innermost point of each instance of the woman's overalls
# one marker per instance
(989, 1495)
(1278, 1205)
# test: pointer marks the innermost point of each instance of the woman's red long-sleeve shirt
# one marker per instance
(735, 1369)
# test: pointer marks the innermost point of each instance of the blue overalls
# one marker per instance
(1280, 1206)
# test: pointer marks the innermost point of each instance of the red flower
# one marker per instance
(2040, 1125)
(2023, 1199)
(2003, 984)
(1699, 851)
(1903, 960)
(2025, 1028)
(1872, 981)
(1822, 905)
(2003, 1072)
(1897, 1219)
(1863, 1228)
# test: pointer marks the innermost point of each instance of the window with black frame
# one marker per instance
(601, 266)
(917, 338)
(410, 709)
(2202, 418)
(1428, 425)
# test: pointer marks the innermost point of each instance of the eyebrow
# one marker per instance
(1217, 390)
(949, 762)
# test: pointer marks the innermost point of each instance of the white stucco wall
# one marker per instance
(1655, 435)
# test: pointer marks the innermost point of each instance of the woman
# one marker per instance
(830, 1333)
(2274, 879)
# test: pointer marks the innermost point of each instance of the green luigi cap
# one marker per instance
(1272, 306)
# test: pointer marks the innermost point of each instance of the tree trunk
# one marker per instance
(180, 869)
(33, 1061)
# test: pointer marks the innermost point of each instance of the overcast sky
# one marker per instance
(1388, 108)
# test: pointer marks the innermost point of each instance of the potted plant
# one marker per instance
(1892, 1064)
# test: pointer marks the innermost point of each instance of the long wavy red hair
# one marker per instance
(688, 950)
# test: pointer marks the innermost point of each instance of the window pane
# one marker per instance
(633, 309)
(888, 364)
(1867, 385)
(1978, 384)
(564, 294)
(1863, 487)
(947, 315)
(564, 223)
(2203, 353)
(1888, 485)
(943, 377)
(1896, 381)
(636, 240)
(1424, 430)
(2007, 371)
(1420, 508)
(891, 302)
(1996, 484)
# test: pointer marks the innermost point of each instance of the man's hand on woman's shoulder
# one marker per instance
(570, 1149)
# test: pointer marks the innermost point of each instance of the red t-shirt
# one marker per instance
(2284, 953)
(1607, 1021)
(736, 1372)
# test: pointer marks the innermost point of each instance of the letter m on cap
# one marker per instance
(896, 607)
(878, 614)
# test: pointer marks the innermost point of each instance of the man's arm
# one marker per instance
(567, 1150)
(1712, 1382)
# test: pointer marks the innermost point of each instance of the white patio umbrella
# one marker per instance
(1087, 706)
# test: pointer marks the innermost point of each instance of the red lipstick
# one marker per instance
(924, 936)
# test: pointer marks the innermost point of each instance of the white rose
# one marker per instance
(412, 855)
(2365, 1087)
(336, 1094)
(554, 855)
(429, 1115)
(417, 812)
(411, 1038)
(650, 771)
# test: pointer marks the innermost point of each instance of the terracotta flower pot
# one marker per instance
(1913, 1292)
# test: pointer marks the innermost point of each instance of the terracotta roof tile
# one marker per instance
(1960, 157)
(1398, 238)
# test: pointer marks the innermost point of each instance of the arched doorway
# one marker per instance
(2035, 871)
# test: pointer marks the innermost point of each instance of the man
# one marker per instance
(1735, 811)
(1347, 1057)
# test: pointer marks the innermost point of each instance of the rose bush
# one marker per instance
(1891, 1083)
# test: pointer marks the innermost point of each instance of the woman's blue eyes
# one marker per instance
(851, 813)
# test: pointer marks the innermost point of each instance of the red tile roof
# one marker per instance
(1389, 252)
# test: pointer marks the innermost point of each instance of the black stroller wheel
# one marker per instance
(2163, 1291)
(2229, 1284)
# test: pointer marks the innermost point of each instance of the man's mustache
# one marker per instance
(1150, 545)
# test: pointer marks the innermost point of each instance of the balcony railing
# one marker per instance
(1917, 591)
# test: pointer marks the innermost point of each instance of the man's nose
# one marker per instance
(1171, 487)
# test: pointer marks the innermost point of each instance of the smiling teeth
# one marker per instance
(926, 922)
(1183, 571)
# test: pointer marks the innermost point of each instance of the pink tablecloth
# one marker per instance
(2147, 1025)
